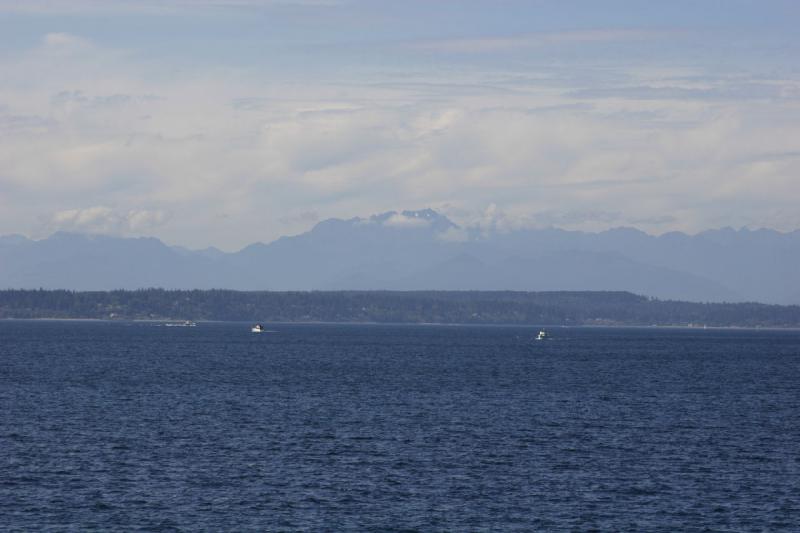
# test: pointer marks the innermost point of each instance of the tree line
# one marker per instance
(450, 307)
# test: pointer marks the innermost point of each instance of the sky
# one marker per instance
(222, 123)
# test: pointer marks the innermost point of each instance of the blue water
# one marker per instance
(131, 426)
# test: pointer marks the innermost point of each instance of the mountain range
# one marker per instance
(424, 250)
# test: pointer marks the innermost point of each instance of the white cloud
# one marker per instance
(533, 40)
(105, 220)
(64, 40)
(148, 7)
(399, 220)
(73, 7)
(98, 127)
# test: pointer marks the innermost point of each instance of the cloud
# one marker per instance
(576, 218)
(534, 40)
(653, 221)
(303, 219)
(75, 7)
(401, 221)
(22, 124)
(64, 40)
(736, 92)
(105, 220)
(238, 154)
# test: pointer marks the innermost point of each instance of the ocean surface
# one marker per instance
(137, 426)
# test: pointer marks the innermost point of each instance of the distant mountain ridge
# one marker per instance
(424, 250)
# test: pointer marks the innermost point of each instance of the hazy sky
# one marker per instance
(227, 122)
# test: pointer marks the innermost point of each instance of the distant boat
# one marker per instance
(543, 335)
(184, 324)
(258, 328)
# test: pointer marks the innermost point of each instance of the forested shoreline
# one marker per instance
(448, 307)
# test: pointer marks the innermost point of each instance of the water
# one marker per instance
(130, 426)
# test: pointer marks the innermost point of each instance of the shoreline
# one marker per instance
(407, 324)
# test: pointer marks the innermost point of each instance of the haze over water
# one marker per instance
(123, 426)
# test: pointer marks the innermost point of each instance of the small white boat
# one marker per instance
(543, 335)
(258, 328)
